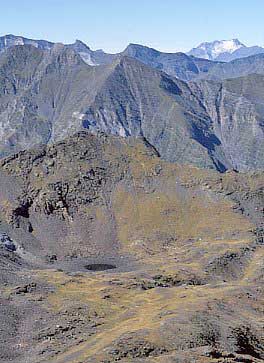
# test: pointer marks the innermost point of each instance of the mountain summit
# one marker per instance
(215, 49)
(224, 50)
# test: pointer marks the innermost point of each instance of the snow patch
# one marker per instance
(216, 48)
(87, 59)
(225, 46)
(122, 131)
(78, 115)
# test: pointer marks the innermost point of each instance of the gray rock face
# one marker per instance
(235, 107)
(138, 100)
(47, 95)
(10, 40)
(7, 242)
(209, 124)
(89, 56)
(236, 68)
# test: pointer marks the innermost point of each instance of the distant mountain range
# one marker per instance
(179, 65)
(200, 63)
(90, 57)
(191, 110)
(219, 50)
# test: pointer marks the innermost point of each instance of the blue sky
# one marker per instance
(168, 25)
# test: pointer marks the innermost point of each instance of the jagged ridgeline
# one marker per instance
(48, 92)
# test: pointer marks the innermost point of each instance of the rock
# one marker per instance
(25, 289)
(51, 258)
(7, 242)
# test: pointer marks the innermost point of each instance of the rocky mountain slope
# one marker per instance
(175, 274)
(10, 40)
(237, 68)
(47, 95)
(177, 65)
(242, 52)
(235, 107)
(89, 56)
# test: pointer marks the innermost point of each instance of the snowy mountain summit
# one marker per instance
(217, 50)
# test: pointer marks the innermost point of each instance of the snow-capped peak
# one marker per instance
(224, 46)
(215, 49)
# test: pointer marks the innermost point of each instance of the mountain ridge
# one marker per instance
(218, 50)
(178, 64)
(58, 94)
(185, 66)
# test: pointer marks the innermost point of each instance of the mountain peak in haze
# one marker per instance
(11, 40)
(214, 50)
(80, 46)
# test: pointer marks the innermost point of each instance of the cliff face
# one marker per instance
(235, 107)
(39, 93)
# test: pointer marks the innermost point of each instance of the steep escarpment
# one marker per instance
(39, 91)
(236, 108)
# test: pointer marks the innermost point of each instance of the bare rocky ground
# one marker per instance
(109, 254)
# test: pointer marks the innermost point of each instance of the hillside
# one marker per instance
(180, 250)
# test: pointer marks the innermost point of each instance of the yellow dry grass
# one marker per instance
(128, 310)
(149, 219)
